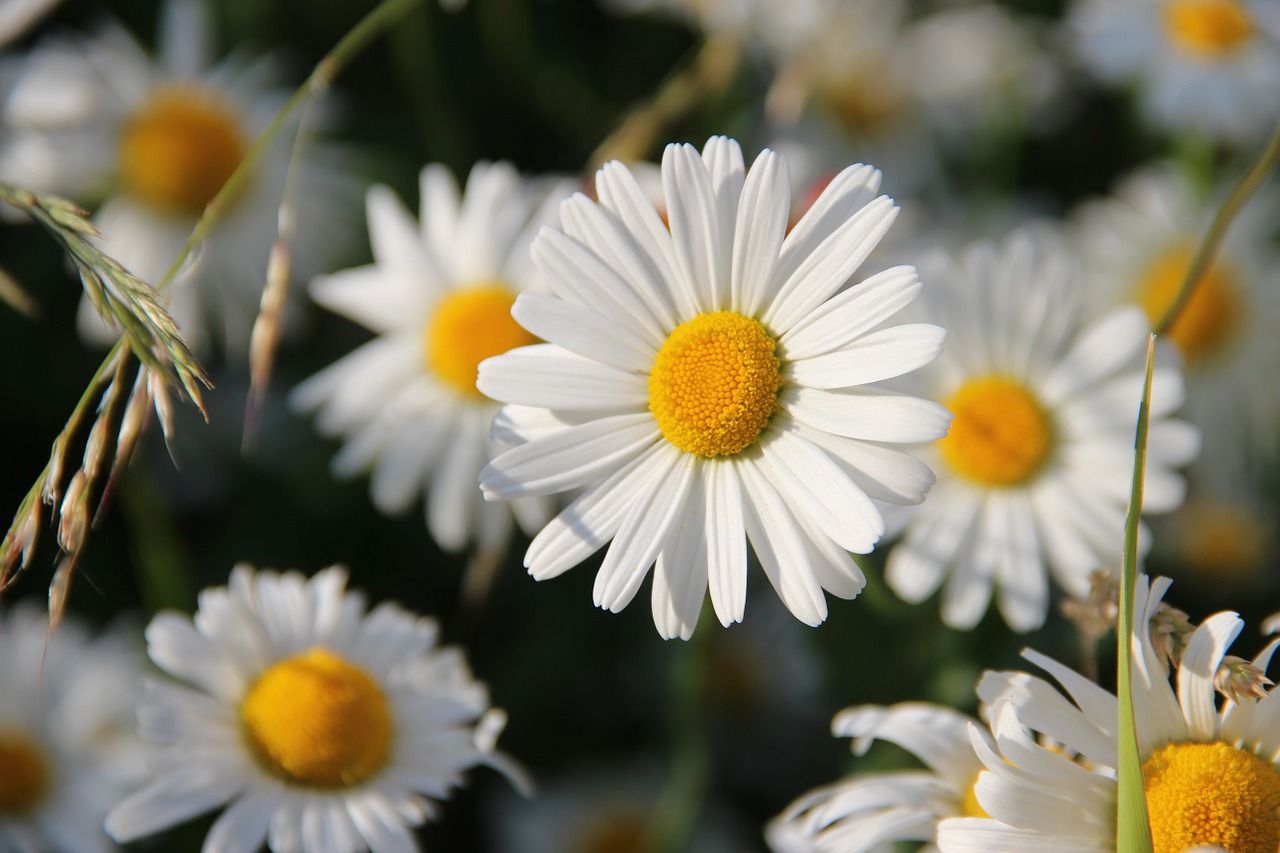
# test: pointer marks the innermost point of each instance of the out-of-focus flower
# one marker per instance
(439, 298)
(98, 120)
(67, 748)
(1207, 66)
(1210, 772)
(867, 811)
(17, 16)
(321, 727)
(1034, 476)
(1222, 540)
(706, 385)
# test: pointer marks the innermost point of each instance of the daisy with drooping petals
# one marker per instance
(864, 813)
(708, 385)
(67, 748)
(439, 297)
(1210, 773)
(1034, 476)
(150, 143)
(321, 727)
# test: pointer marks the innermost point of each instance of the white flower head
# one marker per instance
(67, 746)
(1034, 476)
(321, 727)
(709, 384)
(439, 297)
(1209, 771)
(867, 811)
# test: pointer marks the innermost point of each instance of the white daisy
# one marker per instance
(1135, 248)
(67, 746)
(321, 727)
(866, 812)
(707, 385)
(439, 298)
(97, 119)
(1034, 476)
(1210, 772)
(1207, 66)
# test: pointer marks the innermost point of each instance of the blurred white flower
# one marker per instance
(17, 16)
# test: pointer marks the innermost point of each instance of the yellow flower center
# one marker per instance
(468, 326)
(178, 150)
(1000, 434)
(316, 720)
(714, 384)
(24, 773)
(1208, 318)
(1209, 28)
(1212, 793)
(969, 805)
(865, 101)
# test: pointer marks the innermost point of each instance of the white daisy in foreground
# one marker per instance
(439, 298)
(152, 141)
(321, 727)
(707, 386)
(67, 748)
(1207, 66)
(864, 813)
(1034, 476)
(1136, 247)
(1209, 771)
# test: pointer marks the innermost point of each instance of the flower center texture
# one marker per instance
(1208, 28)
(1000, 434)
(317, 720)
(24, 774)
(1207, 319)
(1212, 793)
(178, 150)
(714, 384)
(468, 326)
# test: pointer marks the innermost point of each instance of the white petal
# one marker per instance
(867, 413)
(371, 298)
(879, 355)
(583, 331)
(454, 490)
(546, 376)
(1196, 673)
(1102, 349)
(702, 254)
(847, 316)
(243, 826)
(779, 544)
(621, 194)
(680, 574)
(397, 246)
(726, 541)
(759, 231)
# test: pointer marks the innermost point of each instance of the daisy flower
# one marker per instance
(321, 727)
(1211, 67)
(439, 298)
(67, 746)
(864, 813)
(1135, 248)
(1209, 771)
(707, 385)
(151, 142)
(1034, 476)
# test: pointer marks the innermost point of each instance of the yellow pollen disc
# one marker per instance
(316, 720)
(1208, 28)
(714, 384)
(1211, 314)
(178, 150)
(468, 326)
(1000, 434)
(24, 774)
(1212, 793)
(969, 806)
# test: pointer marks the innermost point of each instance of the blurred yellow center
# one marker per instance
(969, 805)
(1212, 793)
(865, 101)
(1208, 318)
(316, 720)
(714, 384)
(178, 150)
(24, 774)
(468, 326)
(1000, 434)
(613, 832)
(1208, 27)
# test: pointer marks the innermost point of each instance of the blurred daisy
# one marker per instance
(706, 386)
(1135, 248)
(67, 748)
(98, 120)
(866, 812)
(1034, 476)
(1207, 66)
(321, 727)
(16, 16)
(439, 298)
(1210, 772)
